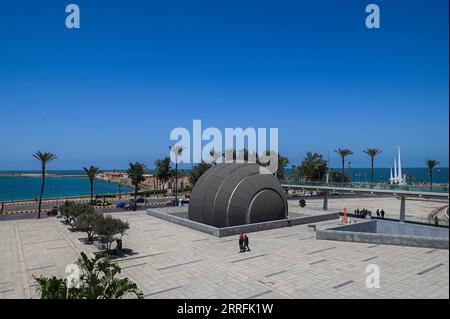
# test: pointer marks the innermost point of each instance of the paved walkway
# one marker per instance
(172, 261)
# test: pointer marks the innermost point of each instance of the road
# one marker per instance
(24, 210)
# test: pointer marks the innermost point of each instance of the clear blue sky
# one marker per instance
(111, 92)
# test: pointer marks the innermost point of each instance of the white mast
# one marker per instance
(400, 175)
(395, 172)
(391, 179)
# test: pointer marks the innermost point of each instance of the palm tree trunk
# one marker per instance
(343, 170)
(176, 183)
(92, 193)
(42, 193)
(135, 197)
(430, 175)
(372, 169)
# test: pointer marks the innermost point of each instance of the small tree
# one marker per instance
(70, 209)
(97, 281)
(197, 171)
(86, 223)
(109, 229)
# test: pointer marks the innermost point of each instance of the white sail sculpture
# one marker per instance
(395, 171)
(397, 178)
(399, 175)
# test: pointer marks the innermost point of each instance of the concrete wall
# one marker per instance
(229, 231)
(384, 239)
(388, 233)
(184, 222)
(361, 226)
(387, 227)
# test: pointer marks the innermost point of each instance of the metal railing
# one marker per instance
(375, 186)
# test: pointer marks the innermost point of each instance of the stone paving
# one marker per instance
(172, 261)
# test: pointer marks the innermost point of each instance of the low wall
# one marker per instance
(388, 233)
(184, 222)
(229, 231)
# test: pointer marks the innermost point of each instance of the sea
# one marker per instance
(14, 188)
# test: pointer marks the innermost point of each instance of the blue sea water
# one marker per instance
(19, 188)
(381, 175)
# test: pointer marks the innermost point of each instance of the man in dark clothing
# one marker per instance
(382, 213)
(378, 213)
(246, 243)
(241, 243)
(436, 220)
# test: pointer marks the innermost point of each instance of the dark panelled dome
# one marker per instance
(236, 194)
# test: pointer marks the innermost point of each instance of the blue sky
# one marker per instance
(111, 92)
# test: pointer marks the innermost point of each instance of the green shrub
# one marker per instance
(109, 229)
(86, 223)
(70, 209)
(96, 281)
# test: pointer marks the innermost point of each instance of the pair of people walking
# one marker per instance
(380, 214)
(243, 243)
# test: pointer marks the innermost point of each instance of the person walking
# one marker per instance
(241, 243)
(382, 214)
(378, 213)
(2, 206)
(436, 220)
(246, 243)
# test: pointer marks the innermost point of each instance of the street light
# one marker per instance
(57, 195)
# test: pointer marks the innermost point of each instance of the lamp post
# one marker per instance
(57, 195)
(349, 172)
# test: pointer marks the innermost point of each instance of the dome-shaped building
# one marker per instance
(236, 194)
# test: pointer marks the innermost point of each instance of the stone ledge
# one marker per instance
(229, 231)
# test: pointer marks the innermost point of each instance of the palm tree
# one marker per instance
(91, 172)
(431, 164)
(215, 156)
(282, 163)
(136, 174)
(177, 150)
(343, 153)
(44, 158)
(372, 152)
(313, 167)
(162, 171)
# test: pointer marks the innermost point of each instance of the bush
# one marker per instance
(96, 281)
(109, 229)
(86, 223)
(70, 209)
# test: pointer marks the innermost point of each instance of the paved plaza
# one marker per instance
(172, 261)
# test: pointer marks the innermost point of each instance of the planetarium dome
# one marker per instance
(235, 194)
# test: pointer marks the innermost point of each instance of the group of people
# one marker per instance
(362, 212)
(243, 242)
